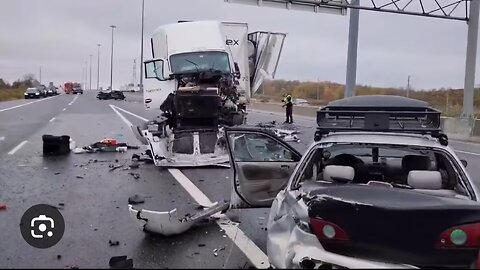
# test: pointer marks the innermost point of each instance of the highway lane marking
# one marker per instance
(64, 109)
(73, 101)
(132, 114)
(51, 120)
(14, 150)
(468, 153)
(21, 105)
(253, 253)
(2, 138)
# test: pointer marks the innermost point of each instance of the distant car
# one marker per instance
(77, 90)
(32, 92)
(51, 91)
(43, 90)
(111, 95)
(300, 102)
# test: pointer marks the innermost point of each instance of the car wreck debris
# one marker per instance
(136, 199)
(56, 145)
(3, 206)
(120, 262)
(113, 243)
(287, 134)
(169, 223)
(105, 145)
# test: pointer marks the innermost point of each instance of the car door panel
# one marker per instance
(262, 165)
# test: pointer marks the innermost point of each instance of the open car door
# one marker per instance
(267, 49)
(262, 165)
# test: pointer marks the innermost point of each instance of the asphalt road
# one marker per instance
(94, 200)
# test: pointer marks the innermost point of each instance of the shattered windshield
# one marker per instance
(199, 61)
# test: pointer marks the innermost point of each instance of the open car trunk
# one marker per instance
(393, 225)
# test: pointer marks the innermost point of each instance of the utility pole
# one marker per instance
(111, 61)
(134, 79)
(90, 83)
(446, 102)
(98, 67)
(141, 47)
(40, 77)
(408, 86)
(318, 88)
(352, 50)
(86, 75)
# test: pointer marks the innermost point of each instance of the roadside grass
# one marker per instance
(11, 94)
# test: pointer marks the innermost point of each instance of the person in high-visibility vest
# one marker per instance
(287, 102)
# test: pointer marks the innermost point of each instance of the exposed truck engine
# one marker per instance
(206, 72)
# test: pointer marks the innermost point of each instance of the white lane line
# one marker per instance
(73, 101)
(2, 138)
(132, 114)
(17, 147)
(125, 120)
(51, 120)
(64, 109)
(254, 254)
(21, 105)
(468, 153)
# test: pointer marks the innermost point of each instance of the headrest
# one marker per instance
(414, 162)
(345, 172)
(425, 180)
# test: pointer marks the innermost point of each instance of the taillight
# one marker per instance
(462, 236)
(325, 230)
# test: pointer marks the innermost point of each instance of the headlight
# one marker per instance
(26, 94)
(37, 93)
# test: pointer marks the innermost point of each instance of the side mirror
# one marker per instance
(237, 71)
(464, 162)
(154, 69)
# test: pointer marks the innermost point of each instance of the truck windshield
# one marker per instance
(201, 61)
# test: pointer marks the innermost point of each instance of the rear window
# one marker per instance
(31, 90)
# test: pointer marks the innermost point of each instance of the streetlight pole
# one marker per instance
(408, 86)
(90, 84)
(141, 47)
(98, 67)
(111, 61)
(86, 76)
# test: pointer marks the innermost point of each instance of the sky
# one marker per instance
(58, 36)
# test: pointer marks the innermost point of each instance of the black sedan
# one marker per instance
(33, 92)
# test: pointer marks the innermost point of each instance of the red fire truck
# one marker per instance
(68, 88)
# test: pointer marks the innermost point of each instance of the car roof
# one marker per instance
(381, 138)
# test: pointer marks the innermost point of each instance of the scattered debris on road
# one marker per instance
(168, 223)
(59, 257)
(56, 145)
(136, 199)
(135, 175)
(3, 206)
(105, 145)
(286, 133)
(57, 173)
(120, 262)
(113, 168)
(79, 177)
(113, 243)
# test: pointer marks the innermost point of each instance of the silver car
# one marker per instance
(379, 188)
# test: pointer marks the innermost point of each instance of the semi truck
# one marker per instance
(205, 73)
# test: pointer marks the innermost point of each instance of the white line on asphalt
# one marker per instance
(73, 101)
(21, 105)
(468, 153)
(254, 254)
(2, 138)
(121, 116)
(132, 114)
(51, 120)
(17, 148)
(64, 109)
